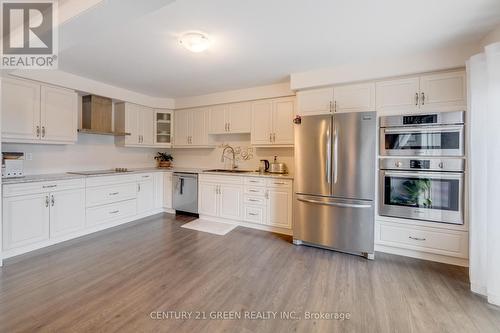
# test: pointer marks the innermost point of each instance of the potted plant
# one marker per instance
(164, 160)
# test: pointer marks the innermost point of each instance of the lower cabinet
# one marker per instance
(167, 190)
(230, 197)
(145, 194)
(220, 196)
(279, 207)
(67, 212)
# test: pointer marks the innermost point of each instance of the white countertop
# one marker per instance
(66, 176)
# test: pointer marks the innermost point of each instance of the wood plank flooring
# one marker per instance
(113, 281)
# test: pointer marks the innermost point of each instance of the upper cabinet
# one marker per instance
(272, 122)
(348, 98)
(191, 128)
(35, 113)
(136, 120)
(163, 125)
(230, 118)
(433, 92)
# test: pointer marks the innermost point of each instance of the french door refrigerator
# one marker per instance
(335, 182)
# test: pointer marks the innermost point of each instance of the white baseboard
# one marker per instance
(422, 255)
(270, 228)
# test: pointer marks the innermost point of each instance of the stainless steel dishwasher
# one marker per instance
(185, 196)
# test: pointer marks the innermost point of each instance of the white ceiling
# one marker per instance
(133, 44)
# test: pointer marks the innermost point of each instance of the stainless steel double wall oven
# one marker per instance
(422, 167)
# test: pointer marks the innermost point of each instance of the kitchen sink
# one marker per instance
(229, 170)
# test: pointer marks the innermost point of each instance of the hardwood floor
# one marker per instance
(114, 280)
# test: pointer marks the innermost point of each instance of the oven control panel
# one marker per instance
(432, 164)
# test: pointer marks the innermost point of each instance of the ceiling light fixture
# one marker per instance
(195, 41)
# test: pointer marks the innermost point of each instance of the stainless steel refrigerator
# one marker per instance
(335, 182)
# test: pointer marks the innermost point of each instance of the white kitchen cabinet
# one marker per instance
(443, 91)
(67, 212)
(354, 98)
(231, 197)
(163, 128)
(34, 113)
(398, 96)
(434, 92)
(279, 207)
(230, 118)
(137, 120)
(208, 198)
(159, 189)
(315, 101)
(25, 220)
(191, 128)
(58, 117)
(145, 194)
(272, 122)
(167, 190)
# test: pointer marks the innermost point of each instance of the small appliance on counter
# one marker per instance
(12, 164)
(264, 166)
(277, 167)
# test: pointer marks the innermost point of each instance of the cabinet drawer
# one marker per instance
(255, 191)
(453, 243)
(108, 194)
(273, 182)
(254, 181)
(144, 176)
(254, 214)
(111, 212)
(254, 200)
(111, 180)
(42, 187)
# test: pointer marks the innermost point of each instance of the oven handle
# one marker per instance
(420, 174)
(426, 129)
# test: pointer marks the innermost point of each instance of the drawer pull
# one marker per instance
(254, 181)
(253, 214)
(279, 183)
(114, 193)
(255, 191)
(145, 176)
(253, 200)
(114, 212)
(417, 238)
(49, 186)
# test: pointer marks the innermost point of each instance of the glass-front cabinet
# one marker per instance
(163, 128)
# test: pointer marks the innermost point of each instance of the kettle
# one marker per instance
(264, 166)
(277, 167)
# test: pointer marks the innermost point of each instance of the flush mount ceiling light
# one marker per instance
(195, 41)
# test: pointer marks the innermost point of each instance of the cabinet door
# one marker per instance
(145, 196)
(231, 199)
(159, 185)
(262, 123)
(279, 208)
(397, 96)
(239, 117)
(217, 119)
(163, 122)
(67, 212)
(20, 110)
(132, 124)
(283, 113)
(208, 199)
(58, 115)
(317, 101)
(181, 128)
(25, 220)
(167, 190)
(443, 92)
(199, 135)
(147, 126)
(354, 98)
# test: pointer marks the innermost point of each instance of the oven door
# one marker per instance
(422, 141)
(428, 196)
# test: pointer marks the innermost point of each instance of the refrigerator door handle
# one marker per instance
(335, 151)
(336, 204)
(329, 155)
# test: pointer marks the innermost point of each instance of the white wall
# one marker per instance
(492, 37)
(92, 152)
(210, 158)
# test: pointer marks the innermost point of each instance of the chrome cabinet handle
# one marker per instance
(253, 200)
(43, 131)
(52, 200)
(274, 137)
(46, 201)
(229, 127)
(267, 194)
(114, 193)
(253, 214)
(417, 238)
(270, 137)
(330, 107)
(254, 191)
(423, 98)
(38, 131)
(49, 186)
(138, 187)
(279, 183)
(416, 98)
(114, 212)
(335, 106)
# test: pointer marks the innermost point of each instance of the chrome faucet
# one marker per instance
(223, 157)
